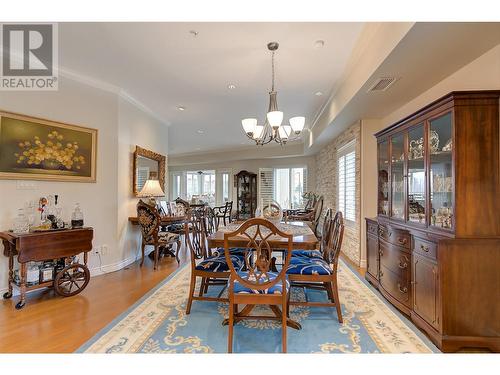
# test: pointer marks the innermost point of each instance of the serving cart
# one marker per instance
(62, 245)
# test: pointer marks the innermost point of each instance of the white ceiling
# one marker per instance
(163, 66)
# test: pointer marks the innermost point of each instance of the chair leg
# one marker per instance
(288, 296)
(191, 292)
(231, 328)
(143, 249)
(283, 323)
(156, 252)
(178, 244)
(328, 290)
(335, 293)
(202, 286)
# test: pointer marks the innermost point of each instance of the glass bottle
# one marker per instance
(77, 217)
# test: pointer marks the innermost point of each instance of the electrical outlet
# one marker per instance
(104, 249)
(96, 250)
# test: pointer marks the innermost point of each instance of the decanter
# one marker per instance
(77, 217)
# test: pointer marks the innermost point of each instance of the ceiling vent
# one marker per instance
(382, 84)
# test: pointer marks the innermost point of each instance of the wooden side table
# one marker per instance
(48, 245)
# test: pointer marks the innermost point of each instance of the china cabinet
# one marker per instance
(246, 193)
(433, 250)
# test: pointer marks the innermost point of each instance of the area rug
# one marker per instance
(158, 324)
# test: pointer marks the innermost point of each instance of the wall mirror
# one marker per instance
(147, 163)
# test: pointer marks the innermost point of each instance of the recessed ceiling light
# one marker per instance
(319, 43)
(181, 108)
(231, 86)
(318, 93)
(200, 131)
(193, 33)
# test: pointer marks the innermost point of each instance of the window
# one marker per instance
(210, 186)
(284, 185)
(346, 157)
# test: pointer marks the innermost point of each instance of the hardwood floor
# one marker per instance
(53, 324)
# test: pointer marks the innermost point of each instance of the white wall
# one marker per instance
(135, 127)
(109, 202)
(77, 104)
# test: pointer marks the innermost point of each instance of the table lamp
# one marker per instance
(152, 189)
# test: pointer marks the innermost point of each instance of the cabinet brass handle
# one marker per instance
(380, 274)
(402, 241)
(402, 290)
(403, 263)
(381, 253)
(424, 248)
(380, 232)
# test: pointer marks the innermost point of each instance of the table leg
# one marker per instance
(289, 322)
(8, 294)
(22, 276)
(85, 257)
(246, 310)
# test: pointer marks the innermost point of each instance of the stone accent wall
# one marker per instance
(326, 184)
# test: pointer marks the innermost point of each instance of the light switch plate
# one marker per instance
(26, 185)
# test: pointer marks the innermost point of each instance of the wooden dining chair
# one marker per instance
(224, 213)
(320, 272)
(213, 270)
(149, 221)
(257, 284)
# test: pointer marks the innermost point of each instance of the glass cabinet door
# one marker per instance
(416, 175)
(383, 178)
(441, 173)
(397, 177)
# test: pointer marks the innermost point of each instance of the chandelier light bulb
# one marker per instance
(275, 118)
(297, 123)
(284, 132)
(249, 125)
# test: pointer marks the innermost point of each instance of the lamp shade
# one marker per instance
(151, 189)
(284, 132)
(297, 123)
(258, 131)
(275, 118)
(249, 125)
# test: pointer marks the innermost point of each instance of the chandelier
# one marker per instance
(273, 130)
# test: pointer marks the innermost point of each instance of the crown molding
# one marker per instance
(116, 90)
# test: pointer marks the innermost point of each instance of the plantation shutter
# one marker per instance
(266, 182)
(347, 181)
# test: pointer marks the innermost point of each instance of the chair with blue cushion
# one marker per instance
(211, 269)
(324, 232)
(320, 272)
(257, 284)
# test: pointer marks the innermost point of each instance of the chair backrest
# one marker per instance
(210, 221)
(182, 206)
(194, 229)
(318, 210)
(149, 220)
(327, 222)
(258, 254)
(333, 242)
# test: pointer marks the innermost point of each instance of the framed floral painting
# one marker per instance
(37, 149)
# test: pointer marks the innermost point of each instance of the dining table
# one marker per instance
(303, 238)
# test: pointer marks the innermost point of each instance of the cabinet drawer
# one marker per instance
(425, 248)
(395, 259)
(395, 236)
(398, 287)
(372, 228)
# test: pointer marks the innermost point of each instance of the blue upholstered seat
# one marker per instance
(275, 289)
(240, 251)
(219, 264)
(307, 253)
(308, 266)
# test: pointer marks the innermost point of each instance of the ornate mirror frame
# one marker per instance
(161, 159)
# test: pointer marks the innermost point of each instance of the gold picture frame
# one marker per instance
(158, 158)
(33, 148)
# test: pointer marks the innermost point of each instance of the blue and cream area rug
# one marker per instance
(158, 324)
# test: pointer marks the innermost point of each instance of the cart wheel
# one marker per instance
(20, 305)
(7, 295)
(71, 280)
